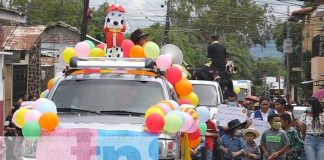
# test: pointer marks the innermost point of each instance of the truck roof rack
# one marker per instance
(112, 63)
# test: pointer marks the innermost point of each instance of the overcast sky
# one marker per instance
(143, 13)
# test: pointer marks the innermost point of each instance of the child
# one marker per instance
(274, 142)
(196, 153)
(232, 142)
(251, 150)
(296, 142)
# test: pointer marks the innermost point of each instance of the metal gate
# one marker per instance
(19, 87)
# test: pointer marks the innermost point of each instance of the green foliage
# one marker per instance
(96, 23)
(47, 11)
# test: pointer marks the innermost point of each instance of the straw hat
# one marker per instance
(251, 130)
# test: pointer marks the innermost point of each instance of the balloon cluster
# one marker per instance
(83, 49)
(170, 117)
(35, 117)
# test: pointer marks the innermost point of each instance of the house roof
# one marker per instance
(20, 38)
(300, 13)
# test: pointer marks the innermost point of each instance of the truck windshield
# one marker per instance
(207, 94)
(108, 95)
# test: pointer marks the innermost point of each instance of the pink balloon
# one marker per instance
(193, 128)
(82, 49)
(32, 115)
(165, 107)
(189, 122)
(164, 61)
(126, 46)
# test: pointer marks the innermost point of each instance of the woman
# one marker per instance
(280, 107)
(264, 111)
(313, 121)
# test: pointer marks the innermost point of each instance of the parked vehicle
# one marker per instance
(112, 99)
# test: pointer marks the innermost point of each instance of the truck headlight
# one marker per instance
(167, 149)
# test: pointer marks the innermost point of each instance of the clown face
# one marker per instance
(114, 20)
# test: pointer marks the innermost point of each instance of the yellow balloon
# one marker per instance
(237, 90)
(19, 117)
(193, 98)
(97, 52)
(154, 110)
(42, 95)
(67, 54)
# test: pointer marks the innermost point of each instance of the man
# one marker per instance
(139, 37)
(217, 54)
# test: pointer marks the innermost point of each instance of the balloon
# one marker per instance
(48, 121)
(169, 104)
(126, 46)
(180, 114)
(166, 108)
(97, 52)
(19, 116)
(203, 128)
(192, 112)
(50, 84)
(193, 128)
(45, 105)
(175, 104)
(101, 46)
(151, 50)
(156, 110)
(194, 135)
(67, 54)
(173, 75)
(183, 87)
(90, 44)
(173, 123)
(192, 97)
(174, 51)
(155, 123)
(82, 49)
(184, 101)
(136, 52)
(31, 130)
(32, 115)
(237, 90)
(195, 143)
(203, 114)
(189, 121)
(44, 94)
(163, 62)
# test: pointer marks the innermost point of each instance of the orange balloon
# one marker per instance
(48, 121)
(137, 51)
(50, 83)
(195, 143)
(183, 87)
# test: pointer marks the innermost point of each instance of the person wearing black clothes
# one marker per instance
(218, 55)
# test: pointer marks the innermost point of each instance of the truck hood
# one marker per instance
(105, 122)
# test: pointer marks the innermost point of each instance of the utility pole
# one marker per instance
(288, 51)
(84, 20)
(167, 23)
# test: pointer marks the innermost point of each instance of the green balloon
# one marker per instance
(31, 130)
(173, 123)
(203, 128)
(151, 50)
(91, 44)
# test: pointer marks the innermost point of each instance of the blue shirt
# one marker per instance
(234, 144)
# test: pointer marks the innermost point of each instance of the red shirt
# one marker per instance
(211, 127)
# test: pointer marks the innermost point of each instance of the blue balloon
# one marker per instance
(203, 114)
(45, 105)
(175, 104)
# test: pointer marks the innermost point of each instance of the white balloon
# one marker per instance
(174, 51)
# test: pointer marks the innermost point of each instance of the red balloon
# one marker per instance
(126, 46)
(91, 71)
(101, 46)
(173, 75)
(184, 101)
(155, 123)
(194, 135)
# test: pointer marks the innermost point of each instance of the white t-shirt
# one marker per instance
(264, 116)
(309, 125)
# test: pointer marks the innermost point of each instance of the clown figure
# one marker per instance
(114, 27)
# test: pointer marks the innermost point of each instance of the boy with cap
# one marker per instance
(139, 37)
(274, 141)
(251, 150)
(232, 143)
